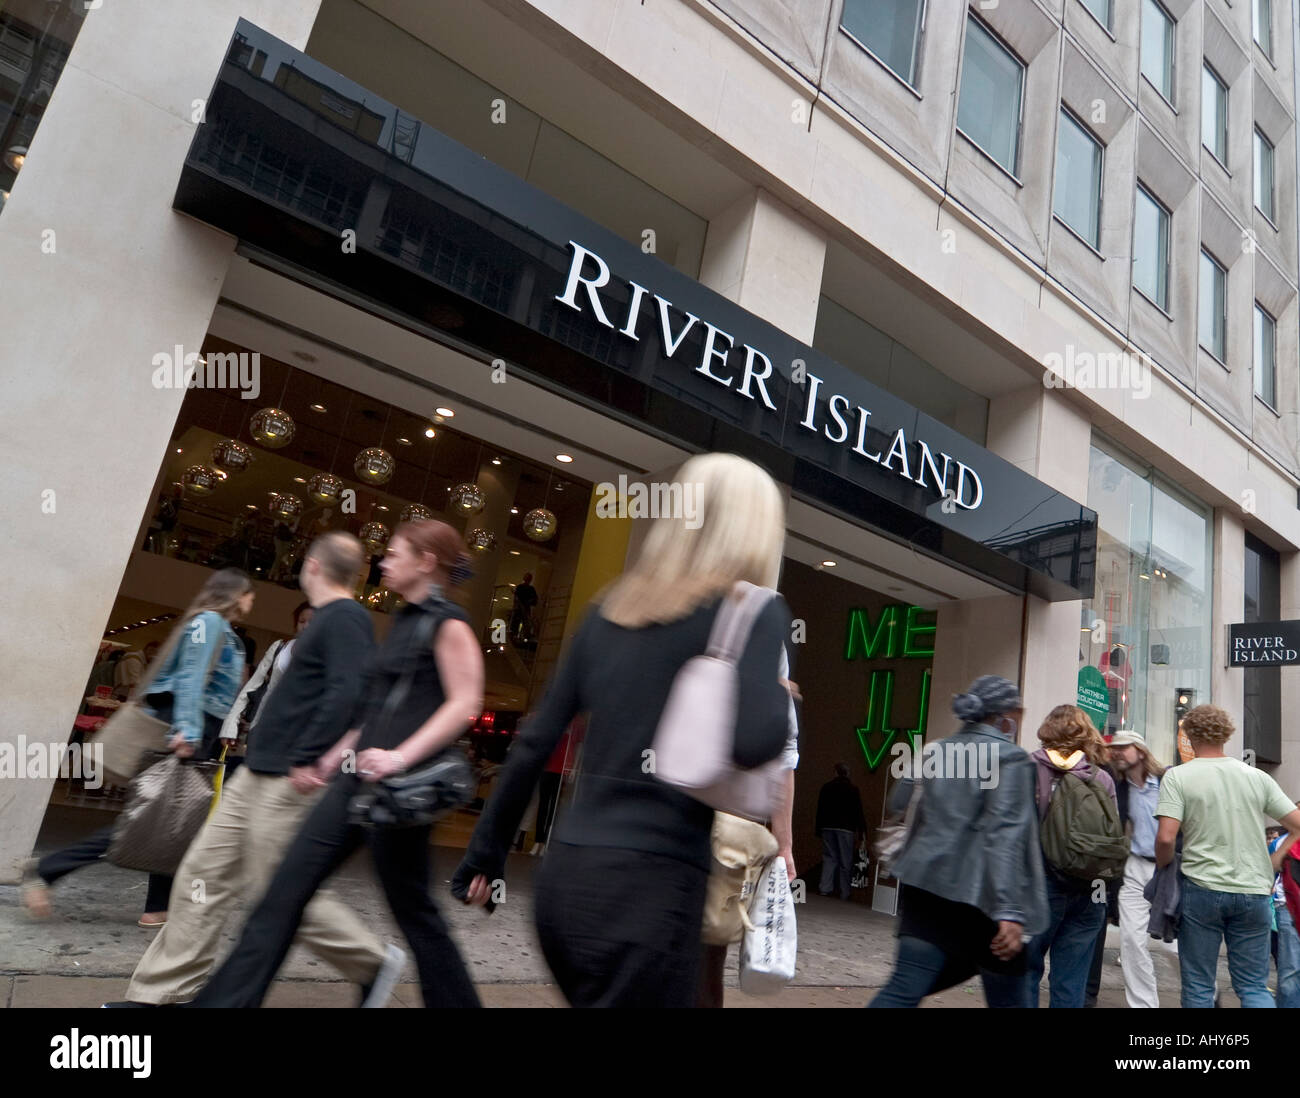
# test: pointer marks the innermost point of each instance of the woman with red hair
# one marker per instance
(431, 648)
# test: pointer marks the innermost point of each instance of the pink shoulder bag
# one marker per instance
(694, 743)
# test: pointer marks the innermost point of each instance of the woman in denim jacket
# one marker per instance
(191, 686)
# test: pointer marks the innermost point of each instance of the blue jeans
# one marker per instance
(837, 862)
(922, 969)
(1071, 936)
(1242, 921)
(1288, 959)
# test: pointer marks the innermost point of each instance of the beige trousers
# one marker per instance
(232, 859)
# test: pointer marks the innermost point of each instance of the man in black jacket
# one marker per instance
(840, 821)
(264, 804)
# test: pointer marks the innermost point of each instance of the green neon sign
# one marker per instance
(879, 727)
(890, 638)
(901, 632)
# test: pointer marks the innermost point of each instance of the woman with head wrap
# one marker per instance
(971, 871)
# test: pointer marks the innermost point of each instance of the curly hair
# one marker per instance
(1068, 728)
(1208, 724)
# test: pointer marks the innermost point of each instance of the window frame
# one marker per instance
(1222, 360)
(1108, 24)
(1271, 213)
(1168, 235)
(1208, 69)
(1255, 364)
(1172, 30)
(1267, 24)
(1066, 113)
(1014, 172)
(913, 82)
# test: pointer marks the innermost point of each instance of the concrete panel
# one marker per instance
(131, 279)
(795, 30)
(918, 122)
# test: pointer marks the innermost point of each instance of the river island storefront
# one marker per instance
(445, 337)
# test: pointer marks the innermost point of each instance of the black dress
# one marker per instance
(328, 838)
(620, 895)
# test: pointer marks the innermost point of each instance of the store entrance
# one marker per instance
(250, 483)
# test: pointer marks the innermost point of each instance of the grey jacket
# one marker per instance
(975, 845)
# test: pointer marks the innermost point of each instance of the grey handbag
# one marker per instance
(167, 806)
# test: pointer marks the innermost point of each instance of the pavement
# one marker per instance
(84, 954)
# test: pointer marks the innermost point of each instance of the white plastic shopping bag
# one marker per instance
(767, 953)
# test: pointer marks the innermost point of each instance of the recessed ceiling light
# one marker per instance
(381, 507)
(404, 442)
(828, 564)
(446, 413)
(319, 408)
(514, 510)
(565, 458)
(514, 552)
(429, 432)
(300, 480)
(496, 461)
(179, 450)
(251, 506)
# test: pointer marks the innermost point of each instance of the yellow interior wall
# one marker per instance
(601, 558)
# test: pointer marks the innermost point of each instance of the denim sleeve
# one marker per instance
(1012, 836)
(193, 656)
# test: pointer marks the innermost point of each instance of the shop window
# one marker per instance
(848, 339)
(1214, 114)
(1265, 357)
(433, 91)
(1158, 48)
(992, 90)
(1151, 248)
(888, 29)
(1146, 631)
(1262, 721)
(1077, 185)
(35, 40)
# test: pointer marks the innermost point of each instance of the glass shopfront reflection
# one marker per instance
(36, 37)
(1147, 628)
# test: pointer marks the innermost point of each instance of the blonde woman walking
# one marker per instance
(620, 895)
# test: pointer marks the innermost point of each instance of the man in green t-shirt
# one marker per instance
(1217, 803)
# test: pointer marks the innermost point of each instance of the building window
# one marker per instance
(35, 40)
(1151, 248)
(1078, 179)
(889, 29)
(1100, 9)
(1146, 633)
(992, 87)
(1263, 24)
(1264, 175)
(1261, 729)
(1214, 114)
(1213, 307)
(1265, 357)
(1158, 48)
